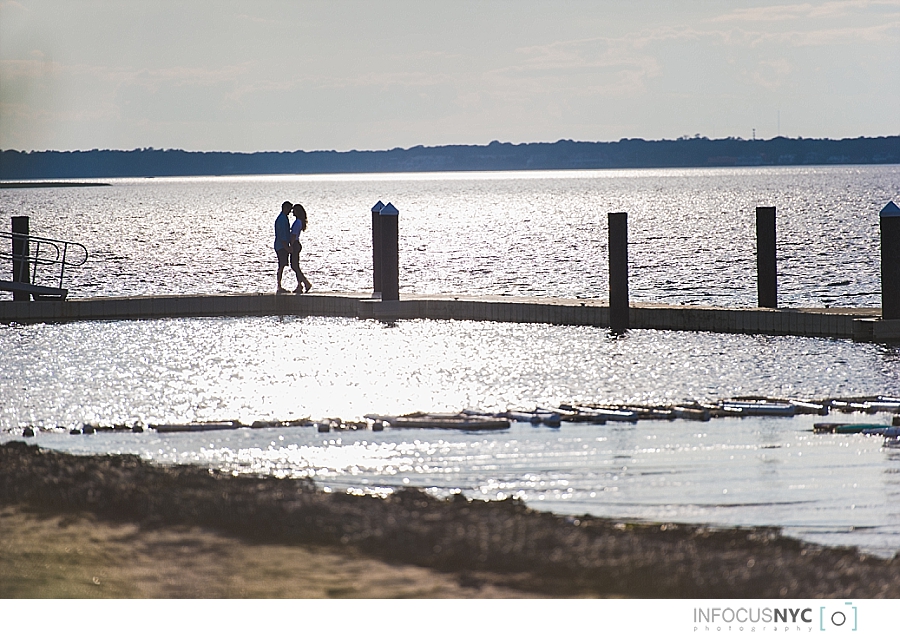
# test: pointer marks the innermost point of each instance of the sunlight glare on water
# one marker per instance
(691, 241)
(832, 489)
(691, 232)
(178, 370)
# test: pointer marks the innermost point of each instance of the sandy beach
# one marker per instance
(75, 555)
(115, 526)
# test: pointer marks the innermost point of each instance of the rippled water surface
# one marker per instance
(729, 471)
(691, 232)
(529, 234)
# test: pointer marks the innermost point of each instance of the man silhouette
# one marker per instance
(283, 241)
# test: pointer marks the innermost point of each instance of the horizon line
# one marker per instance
(494, 142)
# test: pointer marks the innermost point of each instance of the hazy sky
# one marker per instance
(269, 75)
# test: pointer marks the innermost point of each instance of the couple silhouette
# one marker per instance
(287, 244)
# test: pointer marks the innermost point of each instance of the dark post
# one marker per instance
(890, 261)
(766, 269)
(390, 253)
(376, 247)
(618, 271)
(20, 254)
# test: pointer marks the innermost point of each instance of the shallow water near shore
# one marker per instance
(827, 489)
(830, 489)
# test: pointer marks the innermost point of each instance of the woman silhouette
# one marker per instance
(296, 228)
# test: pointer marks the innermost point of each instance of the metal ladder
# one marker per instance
(47, 253)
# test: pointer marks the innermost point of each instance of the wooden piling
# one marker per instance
(376, 247)
(890, 261)
(390, 253)
(766, 267)
(20, 255)
(618, 271)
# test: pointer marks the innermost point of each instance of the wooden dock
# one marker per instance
(861, 324)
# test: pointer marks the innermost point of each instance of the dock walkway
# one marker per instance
(862, 324)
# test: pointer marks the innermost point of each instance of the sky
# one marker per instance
(268, 75)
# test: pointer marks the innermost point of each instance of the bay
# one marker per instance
(524, 234)
(692, 232)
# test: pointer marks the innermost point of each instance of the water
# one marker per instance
(178, 370)
(692, 232)
(538, 234)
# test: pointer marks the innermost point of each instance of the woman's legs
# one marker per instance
(301, 278)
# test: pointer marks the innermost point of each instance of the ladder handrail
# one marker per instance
(58, 256)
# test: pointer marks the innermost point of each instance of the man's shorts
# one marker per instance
(283, 255)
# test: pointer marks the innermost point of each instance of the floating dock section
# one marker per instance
(862, 324)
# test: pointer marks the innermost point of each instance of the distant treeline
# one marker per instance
(627, 153)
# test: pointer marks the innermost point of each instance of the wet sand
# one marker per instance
(117, 526)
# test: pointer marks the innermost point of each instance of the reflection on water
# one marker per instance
(691, 232)
(249, 369)
(691, 240)
(729, 471)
